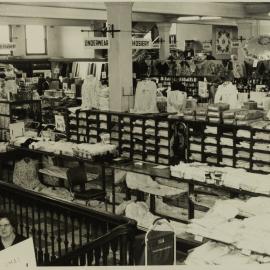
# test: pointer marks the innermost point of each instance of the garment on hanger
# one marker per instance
(89, 92)
(146, 97)
(176, 101)
(227, 93)
(25, 173)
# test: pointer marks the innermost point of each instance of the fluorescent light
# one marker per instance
(189, 18)
(210, 18)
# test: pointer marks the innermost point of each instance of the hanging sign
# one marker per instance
(235, 44)
(97, 43)
(103, 43)
(7, 46)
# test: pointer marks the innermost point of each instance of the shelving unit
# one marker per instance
(165, 173)
(11, 112)
(243, 148)
(142, 137)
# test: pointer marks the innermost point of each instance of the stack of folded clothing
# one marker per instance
(215, 110)
(201, 114)
(189, 114)
(229, 116)
(246, 117)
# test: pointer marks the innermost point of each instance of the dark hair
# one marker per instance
(11, 218)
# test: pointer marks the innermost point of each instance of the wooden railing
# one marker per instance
(60, 227)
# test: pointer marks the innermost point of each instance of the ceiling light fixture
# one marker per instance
(210, 18)
(189, 18)
(198, 18)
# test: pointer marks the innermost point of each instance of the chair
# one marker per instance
(77, 180)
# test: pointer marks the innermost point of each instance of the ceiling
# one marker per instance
(83, 12)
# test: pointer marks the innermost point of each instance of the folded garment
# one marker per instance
(249, 114)
(229, 121)
(211, 130)
(262, 136)
(226, 162)
(189, 112)
(230, 114)
(261, 167)
(243, 133)
(196, 157)
(250, 105)
(195, 147)
(261, 124)
(215, 120)
(261, 156)
(214, 114)
(218, 107)
(242, 164)
(227, 151)
(243, 154)
(201, 111)
(226, 141)
(245, 122)
(210, 140)
(261, 146)
(201, 118)
(210, 149)
(189, 117)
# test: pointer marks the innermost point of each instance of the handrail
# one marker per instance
(125, 229)
(63, 204)
(58, 226)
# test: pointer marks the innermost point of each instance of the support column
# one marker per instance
(164, 33)
(120, 56)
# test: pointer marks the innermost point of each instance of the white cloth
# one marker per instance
(176, 101)
(146, 97)
(89, 93)
(227, 93)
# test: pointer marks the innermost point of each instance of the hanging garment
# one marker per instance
(26, 173)
(89, 93)
(227, 93)
(176, 101)
(146, 97)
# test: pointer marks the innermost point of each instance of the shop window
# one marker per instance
(5, 37)
(36, 39)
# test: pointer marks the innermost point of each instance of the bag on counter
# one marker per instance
(218, 107)
(249, 115)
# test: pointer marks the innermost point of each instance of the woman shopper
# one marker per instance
(8, 236)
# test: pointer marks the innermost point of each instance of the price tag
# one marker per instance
(198, 238)
(103, 75)
(134, 75)
(245, 251)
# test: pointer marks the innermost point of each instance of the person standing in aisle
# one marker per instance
(41, 81)
(8, 236)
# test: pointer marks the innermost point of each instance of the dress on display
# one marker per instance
(146, 97)
(89, 92)
(227, 93)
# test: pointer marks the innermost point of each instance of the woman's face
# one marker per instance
(6, 228)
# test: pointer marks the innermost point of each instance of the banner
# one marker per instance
(7, 46)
